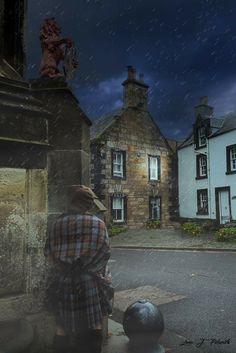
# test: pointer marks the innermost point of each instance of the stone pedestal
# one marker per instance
(69, 138)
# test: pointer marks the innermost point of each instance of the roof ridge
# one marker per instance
(101, 124)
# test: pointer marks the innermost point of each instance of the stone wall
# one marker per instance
(135, 133)
(44, 149)
(68, 135)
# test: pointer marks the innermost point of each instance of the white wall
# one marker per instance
(188, 185)
(186, 170)
(217, 164)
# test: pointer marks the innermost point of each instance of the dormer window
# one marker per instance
(201, 136)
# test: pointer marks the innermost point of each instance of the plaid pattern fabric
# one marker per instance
(80, 249)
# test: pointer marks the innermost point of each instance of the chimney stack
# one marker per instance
(131, 73)
(135, 90)
(204, 100)
(203, 110)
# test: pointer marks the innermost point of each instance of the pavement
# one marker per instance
(168, 238)
(170, 342)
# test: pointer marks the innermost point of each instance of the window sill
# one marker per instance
(154, 181)
(200, 147)
(201, 213)
(231, 172)
(119, 222)
(201, 177)
(118, 178)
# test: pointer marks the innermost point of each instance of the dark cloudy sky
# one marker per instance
(185, 48)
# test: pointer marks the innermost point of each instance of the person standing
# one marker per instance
(80, 291)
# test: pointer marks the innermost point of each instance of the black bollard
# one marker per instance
(143, 323)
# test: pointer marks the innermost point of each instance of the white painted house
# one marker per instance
(207, 167)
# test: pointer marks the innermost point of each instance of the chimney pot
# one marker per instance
(131, 73)
(141, 77)
(204, 100)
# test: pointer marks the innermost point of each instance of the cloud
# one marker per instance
(223, 100)
(102, 97)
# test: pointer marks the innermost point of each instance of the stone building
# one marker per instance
(131, 161)
(44, 138)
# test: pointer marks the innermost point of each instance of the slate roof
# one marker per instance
(228, 123)
(187, 142)
(101, 124)
(224, 124)
(217, 123)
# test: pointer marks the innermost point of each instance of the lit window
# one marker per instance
(231, 158)
(201, 136)
(118, 164)
(118, 208)
(154, 168)
(202, 201)
(155, 208)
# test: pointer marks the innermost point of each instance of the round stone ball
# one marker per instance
(143, 322)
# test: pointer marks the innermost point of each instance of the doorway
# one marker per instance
(223, 207)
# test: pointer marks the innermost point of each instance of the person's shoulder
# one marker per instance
(59, 218)
(96, 220)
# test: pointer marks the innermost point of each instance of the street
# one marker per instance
(206, 279)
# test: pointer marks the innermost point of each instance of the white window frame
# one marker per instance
(203, 202)
(116, 209)
(118, 167)
(232, 157)
(153, 167)
(203, 199)
(201, 136)
(202, 165)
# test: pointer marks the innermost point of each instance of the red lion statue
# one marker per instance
(54, 50)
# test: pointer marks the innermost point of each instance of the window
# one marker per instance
(154, 167)
(202, 202)
(118, 164)
(201, 166)
(231, 159)
(118, 208)
(155, 208)
(201, 136)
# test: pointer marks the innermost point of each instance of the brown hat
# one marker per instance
(81, 196)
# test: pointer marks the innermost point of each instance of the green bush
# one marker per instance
(115, 230)
(153, 224)
(225, 234)
(191, 228)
